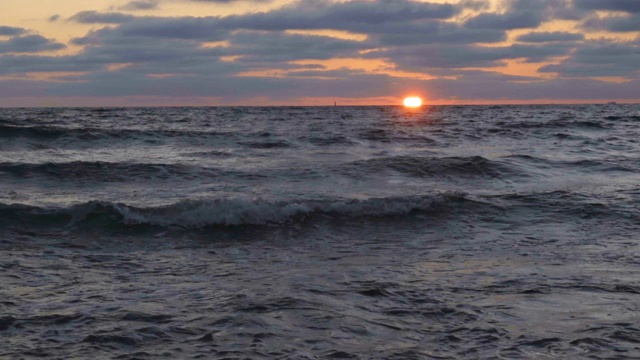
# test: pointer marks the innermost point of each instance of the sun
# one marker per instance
(412, 102)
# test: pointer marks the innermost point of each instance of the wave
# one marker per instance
(623, 118)
(582, 164)
(327, 140)
(561, 123)
(473, 166)
(104, 171)
(49, 133)
(269, 144)
(563, 206)
(192, 214)
(396, 135)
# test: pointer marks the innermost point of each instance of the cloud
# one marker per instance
(629, 23)
(232, 1)
(482, 85)
(525, 14)
(282, 47)
(505, 22)
(388, 22)
(140, 5)
(557, 36)
(29, 44)
(357, 16)
(445, 33)
(429, 57)
(173, 49)
(630, 6)
(204, 28)
(108, 46)
(401, 17)
(21, 64)
(600, 59)
(520, 14)
(94, 17)
(10, 31)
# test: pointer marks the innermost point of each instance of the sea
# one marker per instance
(373, 232)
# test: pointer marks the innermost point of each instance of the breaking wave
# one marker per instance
(194, 214)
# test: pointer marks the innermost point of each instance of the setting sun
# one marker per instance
(413, 101)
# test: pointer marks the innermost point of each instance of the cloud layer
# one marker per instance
(516, 50)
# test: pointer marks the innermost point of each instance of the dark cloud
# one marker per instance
(476, 5)
(434, 33)
(196, 28)
(600, 59)
(278, 47)
(20, 64)
(54, 18)
(524, 14)
(28, 44)
(11, 31)
(388, 22)
(383, 17)
(505, 21)
(426, 58)
(232, 1)
(631, 6)
(483, 85)
(629, 23)
(140, 5)
(203, 28)
(109, 45)
(179, 53)
(358, 16)
(557, 36)
(520, 14)
(94, 17)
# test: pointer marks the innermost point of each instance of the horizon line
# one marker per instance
(424, 105)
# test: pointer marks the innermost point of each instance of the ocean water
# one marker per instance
(448, 232)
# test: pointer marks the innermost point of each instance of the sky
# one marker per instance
(317, 52)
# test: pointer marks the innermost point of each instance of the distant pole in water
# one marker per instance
(335, 103)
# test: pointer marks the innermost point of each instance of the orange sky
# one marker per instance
(353, 51)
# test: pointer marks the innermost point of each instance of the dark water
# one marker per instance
(320, 233)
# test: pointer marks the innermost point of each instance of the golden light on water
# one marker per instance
(412, 102)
